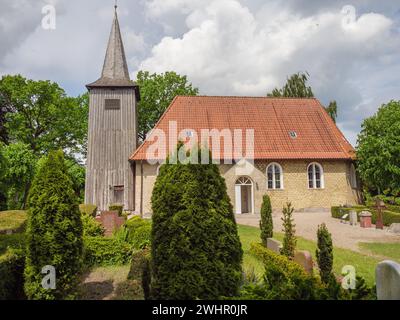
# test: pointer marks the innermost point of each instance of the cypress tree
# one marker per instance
(266, 223)
(195, 249)
(54, 232)
(324, 253)
(289, 240)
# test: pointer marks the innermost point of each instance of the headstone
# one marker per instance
(111, 221)
(388, 280)
(304, 259)
(353, 218)
(395, 228)
(365, 219)
(274, 245)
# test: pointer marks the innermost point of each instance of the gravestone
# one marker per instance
(304, 259)
(111, 221)
(274, 245)
(365, 219)
(395, 228)
(388, 280)
(353, 218)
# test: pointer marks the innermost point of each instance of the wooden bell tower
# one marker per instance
(112, 135)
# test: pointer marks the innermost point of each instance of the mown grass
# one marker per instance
(364, 264)
(12, 220)
(388, 250)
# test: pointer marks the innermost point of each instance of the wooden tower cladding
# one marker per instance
(112, 135)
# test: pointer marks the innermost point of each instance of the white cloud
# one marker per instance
(227, 49)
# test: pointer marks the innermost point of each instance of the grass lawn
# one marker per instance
(12, 220)
(364, 264)
(389, 250)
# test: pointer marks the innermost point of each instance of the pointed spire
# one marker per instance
(115, 69)
(115, 66)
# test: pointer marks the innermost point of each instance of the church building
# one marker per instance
(299, 154)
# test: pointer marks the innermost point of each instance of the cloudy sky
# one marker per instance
(351, 49)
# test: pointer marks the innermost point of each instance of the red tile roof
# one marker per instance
(272, 120)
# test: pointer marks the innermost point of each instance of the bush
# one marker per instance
(116, 207)
(99, 251)
(389, 217)
(324, 253)
(54, 231)
(12, 275)
(266, 224)
(139, 234)
(289, 239)
(140, 270)
(283, 279)
(91, 227)
(195, 248)
(88, 209)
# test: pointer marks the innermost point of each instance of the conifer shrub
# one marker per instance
(195, 248)
(12, 275)
(289, 239)
(54, 232)
(266, 223)
(324, 253)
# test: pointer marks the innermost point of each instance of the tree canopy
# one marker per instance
(157, 92)
(296, 87)
(41, 115)
(378, 150)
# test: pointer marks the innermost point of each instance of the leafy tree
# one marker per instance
(3, 168)
(266, 223)
(378, 150)
(331, 109)
(324, 253)
(54, 232)
(76, 171)
(157, 92)
(295, 87)
(195, 248)
(20, 166)
(289, 239)
(42, 116)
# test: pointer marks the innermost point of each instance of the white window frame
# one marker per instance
(274, 165)
(314, 179)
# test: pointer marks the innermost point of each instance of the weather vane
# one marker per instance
(116, 4)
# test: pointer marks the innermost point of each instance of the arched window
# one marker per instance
(274, 176)
(315, 176)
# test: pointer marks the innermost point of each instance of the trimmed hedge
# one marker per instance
(283, 279)
(12, 265)
(389, 217)
(116, 207)
(140, 270)
(88, 209)
(139, 232)
(267, 256)
(100, 251)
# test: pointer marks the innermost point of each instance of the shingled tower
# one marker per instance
(112, 129)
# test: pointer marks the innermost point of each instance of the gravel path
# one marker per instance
(343, 235)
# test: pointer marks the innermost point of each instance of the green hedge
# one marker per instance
(100, 251)
(88, 209)
(12, 265)
(116, 207)
(389, 217)
(267, 256)
(138, 232)
(283, 279)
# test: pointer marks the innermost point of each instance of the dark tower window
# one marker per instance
(112, 104)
